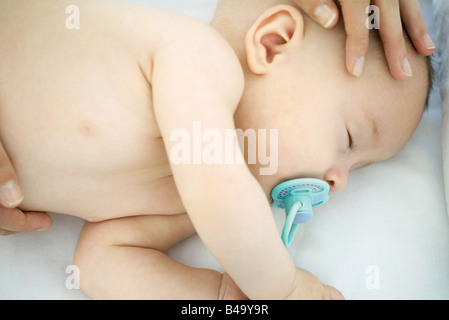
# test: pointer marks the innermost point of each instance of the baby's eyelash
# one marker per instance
(351, 141)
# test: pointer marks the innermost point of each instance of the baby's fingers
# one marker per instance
(229, 290)
(334, 294)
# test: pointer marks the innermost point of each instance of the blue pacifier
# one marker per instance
(298, 197)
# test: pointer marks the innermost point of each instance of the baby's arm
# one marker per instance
(199, 78)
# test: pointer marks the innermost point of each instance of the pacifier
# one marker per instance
(298, 197)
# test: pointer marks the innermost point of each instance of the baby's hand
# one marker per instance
(309, 287)
(229, 290)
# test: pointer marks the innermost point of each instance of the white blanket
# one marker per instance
(385, 237)
(441, 9)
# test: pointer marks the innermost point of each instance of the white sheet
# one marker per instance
(441, 9)
(385, 237)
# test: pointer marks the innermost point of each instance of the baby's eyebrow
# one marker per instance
(373, 124)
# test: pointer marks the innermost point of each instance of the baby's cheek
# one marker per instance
(304, 162)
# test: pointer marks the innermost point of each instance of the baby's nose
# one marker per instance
(337, 179)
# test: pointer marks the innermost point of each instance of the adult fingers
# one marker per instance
(416, 27)
(13, 220)
(6, 232)
(392, 35)
(10, 192)
(357, 42)
(325, 12)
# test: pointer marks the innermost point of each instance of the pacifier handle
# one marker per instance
(298, 197)
(298, 210)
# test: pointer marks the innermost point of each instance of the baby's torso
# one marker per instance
(76, 114)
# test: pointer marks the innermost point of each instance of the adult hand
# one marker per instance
(391, 15)
(13, 220)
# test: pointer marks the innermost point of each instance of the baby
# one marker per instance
(88, 116)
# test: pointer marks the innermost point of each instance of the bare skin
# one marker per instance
(63, 116)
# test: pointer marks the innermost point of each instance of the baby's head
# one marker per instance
(328, 121)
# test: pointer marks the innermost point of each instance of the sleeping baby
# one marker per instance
(92, 119)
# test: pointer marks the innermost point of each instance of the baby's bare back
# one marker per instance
(76, 114)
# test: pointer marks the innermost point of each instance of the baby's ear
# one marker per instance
(272, 36)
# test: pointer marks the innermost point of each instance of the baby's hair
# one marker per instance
(431, 75)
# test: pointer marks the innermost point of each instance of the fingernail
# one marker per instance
(10, 194)
(358, 67)
(427, 40)
(325, 15)
(45, 228)
(406, 68)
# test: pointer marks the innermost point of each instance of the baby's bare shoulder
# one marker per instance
(158, 33)
(195, 53)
